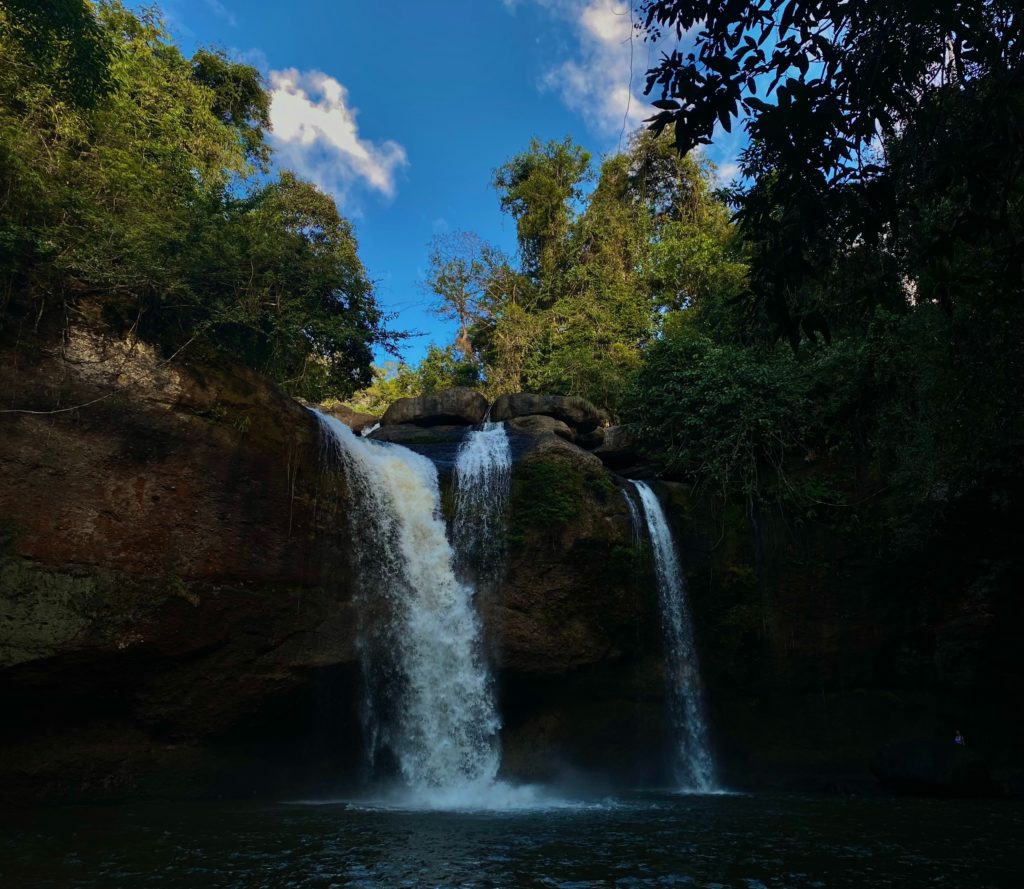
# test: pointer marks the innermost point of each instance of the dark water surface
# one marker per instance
(747, 842)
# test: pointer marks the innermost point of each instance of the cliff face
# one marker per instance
(820, 646)
(575, 629)
(176, 610)
(175, 590)
(174, 567)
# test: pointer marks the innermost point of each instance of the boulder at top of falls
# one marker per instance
(410, 434)
(458, 406)
(932, 768)
(357, 421)
(538, 424)
(617, 448)
(577, 413)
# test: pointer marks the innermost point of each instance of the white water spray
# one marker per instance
(693, 765)
(483, 478)
(431, 703)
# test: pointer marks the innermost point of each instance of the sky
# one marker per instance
(403, 110)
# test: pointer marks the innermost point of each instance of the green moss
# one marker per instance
(547, 494)
(624, 562)
(41, 610)
(599, 485)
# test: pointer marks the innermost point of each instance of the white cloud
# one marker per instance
(315, 133)
(603, 78)
(222, 12)
(727, 172)
(255, 57)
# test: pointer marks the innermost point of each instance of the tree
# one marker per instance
(537, 188)
(389, 382)
(847, 72)
(724, 416)
(596, 271)
(59, 43)
(239, 100)
(138, 197)
(282, 287)
(697, 259)
(463, 274)
(823, 88)
(444, 368)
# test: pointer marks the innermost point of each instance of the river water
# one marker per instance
(643, 840)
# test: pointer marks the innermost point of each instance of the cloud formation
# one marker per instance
(315, 133)
(222, 12)
(602, 81)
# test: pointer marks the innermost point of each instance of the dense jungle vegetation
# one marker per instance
(853, 300)
(134, 186)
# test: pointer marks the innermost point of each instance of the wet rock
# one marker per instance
(592, 439)
(173, 562)
(538, 425)
(457, 406)
(578, 413)
(618, 448)
(410, 434)
(355, 420)
(554, 445)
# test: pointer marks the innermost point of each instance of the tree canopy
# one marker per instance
(603, 255)
(133, 180)
(826, 91)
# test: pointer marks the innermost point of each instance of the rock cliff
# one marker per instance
(176, 612)
(174, 567)
(175, 593)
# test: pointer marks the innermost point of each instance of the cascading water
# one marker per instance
(430, 702)
(483, 477)
(693, 764)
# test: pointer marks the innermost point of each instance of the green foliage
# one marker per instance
(58, 44)
(537, 188)
(818, 85)
(239, 100)
(596, 270)
(720, 414)
(391, 381)
(134, 195)
(547, 494)
(882, 220)
(444, 368)
(440, 369)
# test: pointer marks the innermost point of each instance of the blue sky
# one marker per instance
(402, 110)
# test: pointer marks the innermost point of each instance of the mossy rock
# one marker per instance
(547, 494)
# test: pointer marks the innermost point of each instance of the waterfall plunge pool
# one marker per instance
(637, 840)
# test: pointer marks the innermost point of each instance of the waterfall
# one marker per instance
(430, 698)
(693, 764)
(483, 477)
(635, 521)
